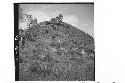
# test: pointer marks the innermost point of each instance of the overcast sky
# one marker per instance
(78, 15)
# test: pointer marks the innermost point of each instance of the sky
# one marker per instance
(78, 15)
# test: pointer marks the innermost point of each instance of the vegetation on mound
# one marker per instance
(55, 50)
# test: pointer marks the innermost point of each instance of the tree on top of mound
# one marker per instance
(57, 19)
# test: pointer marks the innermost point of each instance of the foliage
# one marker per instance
(25, 18)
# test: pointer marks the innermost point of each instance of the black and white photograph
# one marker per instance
(62, 41)
(54, 41)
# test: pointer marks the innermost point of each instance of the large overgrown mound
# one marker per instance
(55, 50)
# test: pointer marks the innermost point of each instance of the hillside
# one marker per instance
(56, 51)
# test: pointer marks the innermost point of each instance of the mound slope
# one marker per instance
(56, 51)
